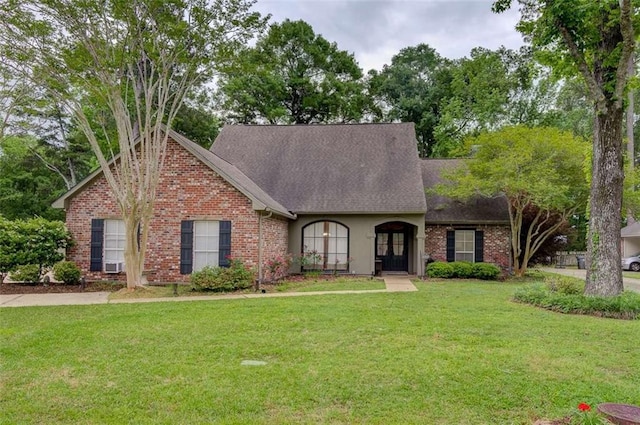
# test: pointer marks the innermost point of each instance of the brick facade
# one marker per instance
(188, 190)
(496, 243)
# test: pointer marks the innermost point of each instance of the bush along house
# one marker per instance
(344, 198)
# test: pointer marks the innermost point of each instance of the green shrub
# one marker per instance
(67, 272)
(222, 279)
(485, 271)
(241, 276)
(566, 285)
(27, 273)
(623, 306)
(440, 270)
(462, 269)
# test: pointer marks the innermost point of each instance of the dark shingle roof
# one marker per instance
(445, 210)
(357, 168)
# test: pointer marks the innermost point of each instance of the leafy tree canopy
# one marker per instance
(293, 76)
(27, 187)
(532, 167)
(412, 89)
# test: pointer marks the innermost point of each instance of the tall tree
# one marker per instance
(412, 89)
(539, 170)
(293, 76)
(486, 93)
(139, 58)
(595, 39)
(27, 187)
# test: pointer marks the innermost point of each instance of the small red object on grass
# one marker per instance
(584, 407)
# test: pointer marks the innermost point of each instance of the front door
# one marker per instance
(392, 247)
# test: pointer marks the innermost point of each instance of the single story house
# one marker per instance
(348, 198)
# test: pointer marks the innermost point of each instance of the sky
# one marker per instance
(375, 30)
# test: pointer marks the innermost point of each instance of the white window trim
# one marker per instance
(214, 252)
(464, 252)
(116, 255)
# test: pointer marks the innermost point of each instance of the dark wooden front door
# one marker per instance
(392, 247)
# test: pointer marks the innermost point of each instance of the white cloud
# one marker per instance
(375, 30)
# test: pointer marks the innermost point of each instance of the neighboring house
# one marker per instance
(349, 197)
(630, 240)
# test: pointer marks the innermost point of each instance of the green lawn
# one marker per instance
(452, 353)
(632, 275)
(339, 284)
(308, 285)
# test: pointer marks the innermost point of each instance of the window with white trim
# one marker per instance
(206, 244)
(465, 245)
(114, 242)
(326, 243)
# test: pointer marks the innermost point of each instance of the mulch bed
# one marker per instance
(57, 288)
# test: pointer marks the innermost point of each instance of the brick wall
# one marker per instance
(188, 190)
(275, 232)
(497, 243)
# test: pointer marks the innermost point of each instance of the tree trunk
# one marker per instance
(133, 258)
(604, 272)
(631, 150)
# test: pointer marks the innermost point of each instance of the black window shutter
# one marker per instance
(186, 247)
(224, 244)
(479, 255)
(97, 235)
(451, 245)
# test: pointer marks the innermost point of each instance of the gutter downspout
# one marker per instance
(260, 267)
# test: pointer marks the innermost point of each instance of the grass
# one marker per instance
(339, 284)
(632, 275)
(451, 353)
(308, 285)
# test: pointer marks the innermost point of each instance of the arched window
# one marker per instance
(325, 246)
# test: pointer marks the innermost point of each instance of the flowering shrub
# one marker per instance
(278, 267)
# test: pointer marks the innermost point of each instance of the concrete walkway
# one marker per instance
(393, 284)
(399, 284)
(630, 284)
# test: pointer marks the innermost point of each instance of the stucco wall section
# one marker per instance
(496, 243)
(362, 236)
(188, 190)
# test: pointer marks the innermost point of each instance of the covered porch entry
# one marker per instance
(394, 247)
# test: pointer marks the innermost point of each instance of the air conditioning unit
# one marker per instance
(113, 267)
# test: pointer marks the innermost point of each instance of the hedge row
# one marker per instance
(565, 295)
(463, 270)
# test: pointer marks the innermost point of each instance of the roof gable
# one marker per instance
(446, 210)
(349, 168)
(260, 199)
